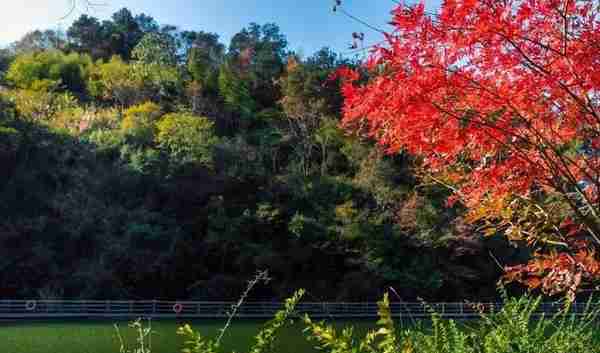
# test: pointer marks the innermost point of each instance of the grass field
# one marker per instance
(100, 337)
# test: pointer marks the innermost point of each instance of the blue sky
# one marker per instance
(308, 24)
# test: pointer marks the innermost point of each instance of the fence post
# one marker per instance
(154, 307)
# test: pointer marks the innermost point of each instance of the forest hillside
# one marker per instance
(140, 160)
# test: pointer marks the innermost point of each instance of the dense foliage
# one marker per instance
(516, 327)
(140, 161)
(500, 99)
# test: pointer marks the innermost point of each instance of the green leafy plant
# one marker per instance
(139, 122)
(186, 139)
(143, 337)
(382, 340)
(264, 340)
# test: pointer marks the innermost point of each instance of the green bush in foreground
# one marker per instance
(514, 329)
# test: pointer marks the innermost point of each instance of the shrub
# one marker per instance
(114, 81)
(40, 105)
(139, 122)
(264, 340)
(513, 329)
(127, 84)
(106, 141)
(69, 119)
(50, 68)
(186, 139)
(142, 160)
(78, 120)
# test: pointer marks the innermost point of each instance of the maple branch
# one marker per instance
(556, 170)
(576, 98)
(527, 124)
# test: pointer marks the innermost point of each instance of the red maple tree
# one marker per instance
(501, 98)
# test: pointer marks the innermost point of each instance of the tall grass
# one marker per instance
(516, 328)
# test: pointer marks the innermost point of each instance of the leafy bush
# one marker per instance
(516, 329)
(40, 105)
(72, 119)
(186, 139)
(114, 81)
(513, 329)
(105, 141)
(156, 48)
(139, 122)
(264, 340)
(145, 161)
(50, 68)
(103, 118)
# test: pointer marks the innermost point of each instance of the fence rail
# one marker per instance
(40, 309)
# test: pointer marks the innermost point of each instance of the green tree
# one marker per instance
(87, 35)
(259, 52)
(235, 91)
(126, 33)
(204, 55)
(304, 110)
(36, 41)
(50, 70)
(117, 36)
(154, 63)
(155, 49)
(114, 81)
(146, 23)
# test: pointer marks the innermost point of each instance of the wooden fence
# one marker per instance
(47, 309)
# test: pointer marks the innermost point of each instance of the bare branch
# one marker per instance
(83, 6)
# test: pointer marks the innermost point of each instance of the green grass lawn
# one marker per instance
(100, 337)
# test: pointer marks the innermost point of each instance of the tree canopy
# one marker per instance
(500, 100)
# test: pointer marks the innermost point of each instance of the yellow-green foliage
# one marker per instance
(140, 120)
(114, 81)
(264, 340)
(155, 77)
(348, 219)
(69, 119)
(40, 71)
(382, 340)
(78, 120)
(187, 139)
(128, 84)
(40, 105)
(109, 118)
